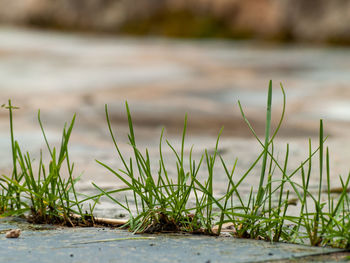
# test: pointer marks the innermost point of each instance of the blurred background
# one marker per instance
(287, 20)
(172, 57)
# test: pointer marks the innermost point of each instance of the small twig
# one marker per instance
(107, 221)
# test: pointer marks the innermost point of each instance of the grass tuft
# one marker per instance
(182, 202)
(163, 204)
(43, 195)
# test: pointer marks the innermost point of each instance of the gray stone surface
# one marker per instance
(85, 245)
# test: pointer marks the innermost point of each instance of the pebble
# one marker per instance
(14, 233)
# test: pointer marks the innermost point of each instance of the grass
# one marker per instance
(42, 194)
(184, 203)
(160, 201)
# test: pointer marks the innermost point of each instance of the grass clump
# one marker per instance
(43, 195)
(322, 220)
(184, 203)
(163, 204)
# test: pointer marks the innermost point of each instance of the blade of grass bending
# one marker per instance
(266, 145)
(131, 128)
(72, 183)
(124, 180)
(65, 140)
(14, 153)
(283, 181)
(21, 187)
(342, 196)
(204, 190)
(132, 138)
(321, 161)
(163, 168)
(269, 180)
(114, 140)
(181, 174)
(183, 139)
(10, 107)
(328, 182)
(148, 182)
(43, 132)
(193, 173)
(273, 136)
(29, 177)
(288, 178)
(210, 159)
(279, 123)
(279, 228)
(110, 197)
(245, 174)
(314, 236)
(229, 175)
(98, 196)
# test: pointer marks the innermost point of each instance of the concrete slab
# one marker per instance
(48, 244)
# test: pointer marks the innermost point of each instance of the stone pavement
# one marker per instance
(66, 73)
(40, 243)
